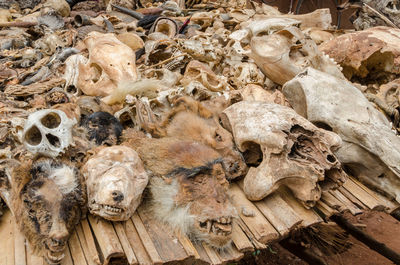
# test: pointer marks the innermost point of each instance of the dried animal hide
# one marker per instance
(115, 180)
(191, 120)
(47, 199)
(284, 149)
(370, 148)
(188, 188)
(367, 56)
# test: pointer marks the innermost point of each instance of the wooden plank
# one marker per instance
(230, 255)
(308, 216)
(257, 244)
(361, 194)
(19, 247)
(187, 245)
(325, 209)
(7, 239)
(136, 244)
(67, 260)
(107, 239)
(240, 239)
(144, 236)
(167, 245)
(84, 245)
(349, 205)
(332, 202)
(214, 258)
(202, 252)
(91, 244)
(279, 213)
(352, 198)
(33, 259)
(78, 256)
(259, 226)
(130, 255)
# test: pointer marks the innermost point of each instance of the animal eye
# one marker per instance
(218, 137)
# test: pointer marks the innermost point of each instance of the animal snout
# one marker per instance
(117, 196)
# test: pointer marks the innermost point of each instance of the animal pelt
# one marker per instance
(47, 199)
(192, 120)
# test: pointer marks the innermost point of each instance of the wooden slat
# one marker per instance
(107, 239)
(230, 254)
(279, 213)
(308, 216)
(349, 205)
(361, 194)
(32, 259)
(214, 258)
(187, 245)
(84, 245)
(75, 247)
(240, 239)
(325, 209)
(259, 226)
(7, 239)
(67, 260)
(144, 236)
(136, 244)
(88, 235)
(202, 252)
(19, 247)
(167, 245)
(130, 255)
(332, 202)
(352, 198)
(257, 244)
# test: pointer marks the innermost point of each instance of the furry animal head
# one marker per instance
(47, 200)
(189, 189)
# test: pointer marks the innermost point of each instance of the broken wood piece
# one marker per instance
(7, 239)
(332, 202)
(214, 258)
(137, 245)
(240, 239)
(92, 255)
(19, 247)
(202, 252)
(348, 204)
(230, 254)
(19, 24)
(78, 256)
(352, 198)
(187, 245)
(130, 255)
(361, 194)
(107, 239)
(67, 260)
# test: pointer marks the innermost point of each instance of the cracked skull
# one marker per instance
(115, 180)
(284, 149)
(48, 132)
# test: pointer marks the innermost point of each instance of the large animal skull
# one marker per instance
(285, 53)
(115, 180)
(47, 199)
(48, 132)
(370, 150)
(110, 62)
(287, 148)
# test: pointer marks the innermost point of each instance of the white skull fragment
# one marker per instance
(287, 150)
(110, 62)
(246, 73)
(48, 132)
(115, 180)
(370, 150)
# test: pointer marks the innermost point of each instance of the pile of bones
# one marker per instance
(102, 102)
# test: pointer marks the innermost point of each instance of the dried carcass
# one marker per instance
(47, 199)
(115, 180)
(284, 149)
(370, 149)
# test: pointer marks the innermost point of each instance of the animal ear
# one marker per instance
(189, 104)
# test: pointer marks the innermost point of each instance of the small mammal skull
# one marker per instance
(48, 132)
(115, 180)
(287, 149)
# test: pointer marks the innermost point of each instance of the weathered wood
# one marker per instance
(33, 259)
(75, 247)
(7, 239)
(259, 226)
(332, 202)
(137, 245)
(361, 194)
(19, 247)
(324, 209)
(144, 236)
(202, 252)
(240, 239)
(88, 235)
(167, 245)
(130, 255)
(352, 198)
(230, 254)
(107, 239)
(348, 204)
(67, 260)
(257, 244)
(84, 245)
(214, 258)
(187, 245)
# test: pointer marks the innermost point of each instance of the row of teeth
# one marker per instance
(112, 208)
(55, 258)
(212, 228)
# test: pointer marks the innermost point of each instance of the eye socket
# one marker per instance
(218, 137)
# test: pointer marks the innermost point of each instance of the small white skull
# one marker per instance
(287, 150)
(48, 132)
(115, 179)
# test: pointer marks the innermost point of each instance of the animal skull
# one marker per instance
(246, 73)
(48, 132)
(295, 153)
(370, 149)
(110, 62)
(285, 53)
(47, 200)
(115, 180)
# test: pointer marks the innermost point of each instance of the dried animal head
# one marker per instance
(285, 53)
(48, 132)
(370, 149)
(110, 62)
(47, 200)
(367, 56)
(246, 73)
(115, 180)
(287, 150)
(188, 188)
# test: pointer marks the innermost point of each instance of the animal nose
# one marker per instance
(117, 196)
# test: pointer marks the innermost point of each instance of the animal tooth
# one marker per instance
(209, 224)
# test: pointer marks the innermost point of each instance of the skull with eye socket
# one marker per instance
(48, 132)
